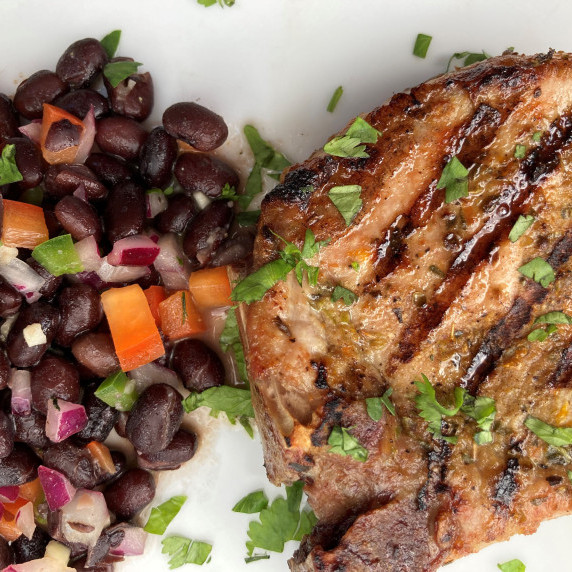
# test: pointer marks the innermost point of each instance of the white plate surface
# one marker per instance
(275, 63)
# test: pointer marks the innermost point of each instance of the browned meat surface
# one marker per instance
(439, 294)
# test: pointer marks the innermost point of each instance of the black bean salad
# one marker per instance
(116, 246)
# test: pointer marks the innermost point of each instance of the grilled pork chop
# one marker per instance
(438, 292)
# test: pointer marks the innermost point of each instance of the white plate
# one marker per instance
(275, 63)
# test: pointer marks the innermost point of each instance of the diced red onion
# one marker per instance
(25, 520)
(138, 250)
(21, 276)
(57, 488)
(32, 131)
(9, 494)
(151, 373)
(89, 278)
(7, 254)
(114, 274)
(172, 263)
(133, 543)
(152, 234)
(88, 253)
(21, 392)
(64, 419)
(80, 192)
(156, 202)
(87, 136)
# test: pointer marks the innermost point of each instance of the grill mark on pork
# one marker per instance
(321, 375)
(436, 474)
(536, 167)
(507, 484)
(332, 415)
(562, 375)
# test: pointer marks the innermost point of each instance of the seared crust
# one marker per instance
(439, 294)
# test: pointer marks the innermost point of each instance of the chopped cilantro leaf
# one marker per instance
(352, 144)
(162, 515)
(343, 293)
(468, 58)
(342, 442)
(110, 42)
(557, 436)
(363, 131)
(522, 224)
(184, 306)
(421, 45)
(228, 193)
(252, 503)
(185, 551)
(553, 318)
(483, 410)
(375, 405)
(256, 557)
(221, 3)
(539, 270)
(537, 136)
(116, 72)
(248, 218)
(9, 172)
(540, 334)
(519, 151)
(355, 266)
(335, 99)
(512, 566)
(454, 179)
(347, 200)
(230, 341)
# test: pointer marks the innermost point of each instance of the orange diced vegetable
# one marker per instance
(8, 528)
(32, 491)
(23, 225)
(11, 508)
(180, 317)
(53, 114)
(102, 455)
(210, 287)
(135, 335)
(155, 295)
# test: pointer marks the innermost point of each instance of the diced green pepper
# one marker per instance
(58, 256)
(118, 391)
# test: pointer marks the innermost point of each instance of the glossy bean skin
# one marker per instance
(196, 125)
(78, 218)
(31, 429)
(96, 352)
(6, 554)
(121, 424)
(157, 157)
(62, 180)
(44, 86)
(179, 212)
(30, 549)
(206, 232)
(4, 368)
(81, 62)
(100, 417)
(133, 97)
(8, 119)
(110, 170)
(54, 377)
(19, 467)
(120, 136)
(234, 250)
(155, 418)
(29, 162)
(10, 299)
(75, 462)
(200, 172)
(20, 354)
(181, 448)
(52, 283)
(81, 312)
(78, 103)
(130, 493)
(6, 435)
(125, 211)
(198, 365)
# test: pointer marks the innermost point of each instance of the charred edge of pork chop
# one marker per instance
(312, 363)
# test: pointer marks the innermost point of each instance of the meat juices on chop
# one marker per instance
(419, 502)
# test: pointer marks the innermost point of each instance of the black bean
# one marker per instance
(31, 429)
(61, 135)
(31, 549)
(100, 417)
(4, 368)
(120, 136)
(19, 467)
(8, 119)
(198, 365)
(179, 212)
(155, 418)
(133, 97)
(157, 157)
(81, 312)
(6, 435)
(178, 451)
(96, 352)
(28, 161)
(78, 218)
(62, 180)
(53, 224)
(81, 62)
(44, 86)
(234, 250)
(206, 232)
(75, 462)
(22, 355)
(10, 299)
(54, 377)
(78, 103)
(196, 125)
(200, 172)
(6, 554)
(52, 283)
(130, 493)
(121, 424)
(125, 211)
(110, 170)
